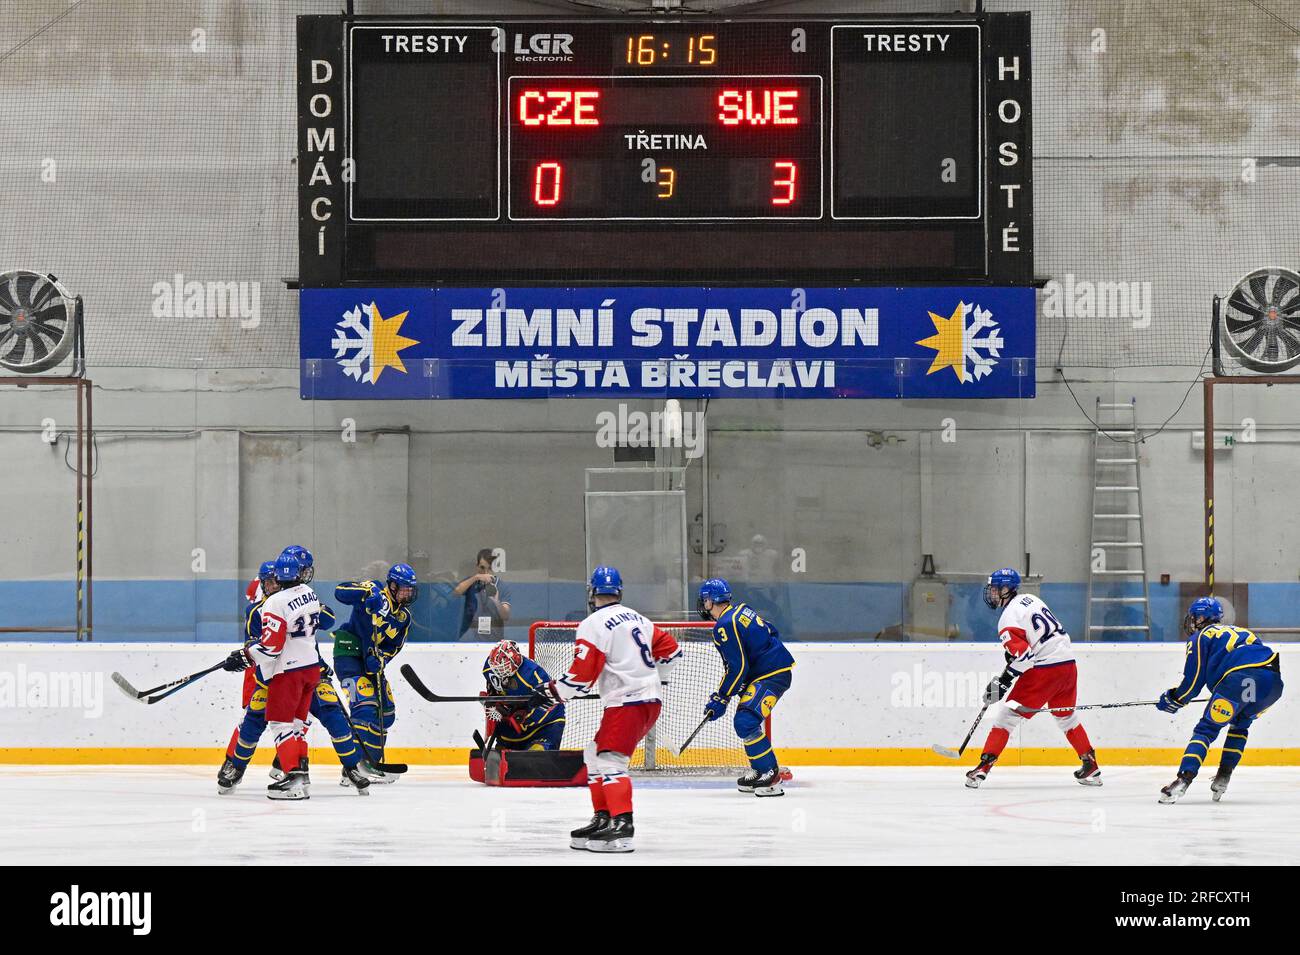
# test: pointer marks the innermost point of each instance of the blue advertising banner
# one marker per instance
(942, 342)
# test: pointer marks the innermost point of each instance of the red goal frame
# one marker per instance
(573, 625)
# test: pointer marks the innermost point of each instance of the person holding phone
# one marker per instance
(487, 601)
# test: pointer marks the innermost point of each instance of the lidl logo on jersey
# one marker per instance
(661, 342)
(366, 343)
(967, 342)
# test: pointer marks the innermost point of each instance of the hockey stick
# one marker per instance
(418, 685)
(1103, 706)
(178, 684)
(696, 733)
(956, 753)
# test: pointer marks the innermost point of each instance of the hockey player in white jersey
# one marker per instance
(288, 662)
(625, 658)
(1040, 662)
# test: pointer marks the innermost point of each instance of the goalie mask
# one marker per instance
(504, 660)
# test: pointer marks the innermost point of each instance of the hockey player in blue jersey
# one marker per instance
(757, 668)
(508, 672)
(373, 635)
(1244, 679)
(325, 705)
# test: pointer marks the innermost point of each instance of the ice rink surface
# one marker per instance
(878, 816)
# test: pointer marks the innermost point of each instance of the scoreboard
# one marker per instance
(765, 152)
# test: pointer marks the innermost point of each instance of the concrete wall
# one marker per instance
(173, 161)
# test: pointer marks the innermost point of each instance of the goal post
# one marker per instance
(696, 676)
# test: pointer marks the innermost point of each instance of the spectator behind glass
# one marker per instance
(487, 602)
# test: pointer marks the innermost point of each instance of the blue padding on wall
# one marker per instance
(211, 611)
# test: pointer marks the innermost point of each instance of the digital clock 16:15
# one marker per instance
(648, 49)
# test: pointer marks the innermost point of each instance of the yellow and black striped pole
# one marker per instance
(81, 512)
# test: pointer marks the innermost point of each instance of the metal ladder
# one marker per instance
(1117, 529)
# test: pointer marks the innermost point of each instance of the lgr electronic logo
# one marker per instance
(544, 48)
(75, 908)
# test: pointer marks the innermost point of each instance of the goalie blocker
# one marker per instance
(505, 767)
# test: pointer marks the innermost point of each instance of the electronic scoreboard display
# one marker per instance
(791, 151)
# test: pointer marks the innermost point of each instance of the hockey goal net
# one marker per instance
(715, 750)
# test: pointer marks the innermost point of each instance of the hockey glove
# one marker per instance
(715, 708)
(377, 604)
(1166, 703)
(237, 661)
(545, 695)
(998, 687)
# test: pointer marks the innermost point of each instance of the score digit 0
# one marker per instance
(547, 183)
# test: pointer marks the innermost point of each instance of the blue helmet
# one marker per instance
(403, 575)
(305, 561)
(606, 580)
(1004, 577)
(715, 589)
(288, 570)
(266, 571)
(1204, 610)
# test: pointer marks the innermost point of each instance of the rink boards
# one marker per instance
(850, 705)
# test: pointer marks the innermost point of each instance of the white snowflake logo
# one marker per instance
(353, 344)
(366, 343)
(973, 343)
